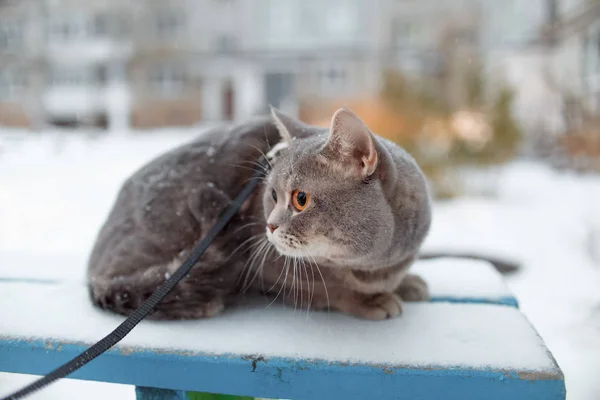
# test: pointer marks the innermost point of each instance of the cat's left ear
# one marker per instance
(350, 138)
(285, 124)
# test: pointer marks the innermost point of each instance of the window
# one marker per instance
(597, 52)
(168, 24)
(310, 20)
(12, 83)
(226, 43)
(71, 27)
(465, 36)
(71, 77)
(279, 87)
(101, 73)
(100, 26)
(63, 78)
(341, 18)
(119, 24)
(167, 80)
(281, 19)
(11, 34)
(333, 77)
(66, 29)
(552, 10)
(404, 32)
(5, 86)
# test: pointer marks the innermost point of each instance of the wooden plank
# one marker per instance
(289, 378)
(433, 351)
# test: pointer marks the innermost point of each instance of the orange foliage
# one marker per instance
(380, 117)
(582, 144)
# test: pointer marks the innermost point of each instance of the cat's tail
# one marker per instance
(504, 266)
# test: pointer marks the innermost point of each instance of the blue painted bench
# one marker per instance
(470, 342)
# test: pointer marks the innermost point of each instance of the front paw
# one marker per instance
(383, 306)
(413, 288)
(375, 307)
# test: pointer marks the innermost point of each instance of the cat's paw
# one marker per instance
(413, 288)
(380, 306)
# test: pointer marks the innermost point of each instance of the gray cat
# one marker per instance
(336, 223)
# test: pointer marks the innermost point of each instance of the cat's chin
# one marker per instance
(313, 253)
(317, 249)
(286, 251)
(332, 261)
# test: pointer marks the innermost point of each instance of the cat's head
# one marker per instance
(326, 195)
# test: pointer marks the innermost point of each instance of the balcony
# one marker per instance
(73, 101)
(87, 37)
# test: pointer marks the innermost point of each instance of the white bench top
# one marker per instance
(428, 334)
(463, 281)
(466, 341)
(275, 351)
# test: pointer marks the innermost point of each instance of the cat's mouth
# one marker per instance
(286, 250)
(286, 244)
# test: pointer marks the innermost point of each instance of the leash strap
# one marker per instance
(142, 311)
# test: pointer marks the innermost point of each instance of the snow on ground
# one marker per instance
(551, 222)
(55, 191)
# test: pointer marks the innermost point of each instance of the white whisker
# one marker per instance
(247, 225)
(248, 168)
(300, 268)
(263, 154)
(310, 294)
(297, 292)
(260, 250)
(248, 265)
(265, 249)
(258, 237)
(293, 288)
(322, 278)
(278, 278)
(286, 266)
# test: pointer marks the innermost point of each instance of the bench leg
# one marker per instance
(148, 393)
(211, 396)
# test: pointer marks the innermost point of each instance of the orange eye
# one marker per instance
(300, 200)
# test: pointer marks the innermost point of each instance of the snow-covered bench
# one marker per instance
(471, 342)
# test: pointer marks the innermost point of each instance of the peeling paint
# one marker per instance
(279, 375)
(539, 375)
(255, 360)
(125, 351)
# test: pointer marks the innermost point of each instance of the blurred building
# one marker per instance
(21, 62)
(573, 41)
(62, 62)
(152, 63)
(86, 47)
(553, 61)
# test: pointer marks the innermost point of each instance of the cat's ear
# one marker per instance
(350, 138)
(284, 124)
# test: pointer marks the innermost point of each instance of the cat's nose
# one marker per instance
(271, 227)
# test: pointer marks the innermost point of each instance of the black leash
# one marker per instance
(142, 311)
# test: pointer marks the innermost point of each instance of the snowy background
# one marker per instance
(56, 189)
